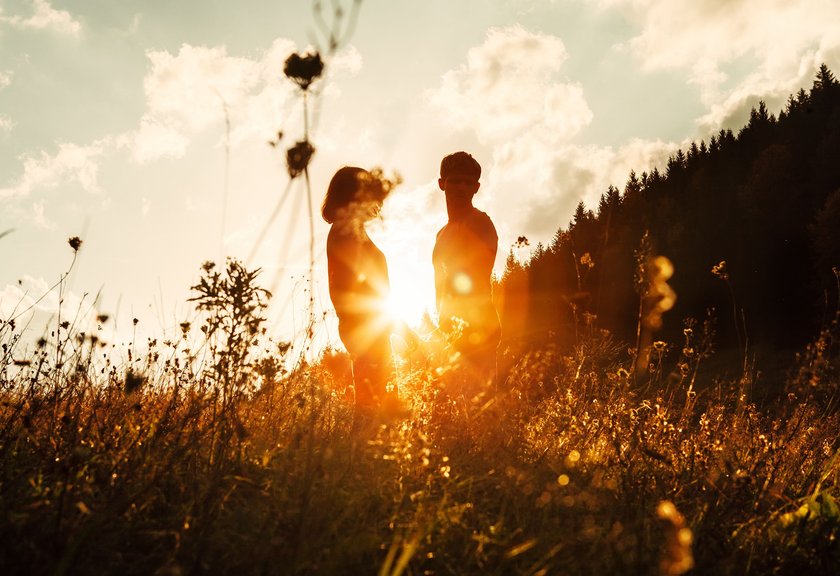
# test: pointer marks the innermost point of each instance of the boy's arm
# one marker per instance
(486, 233)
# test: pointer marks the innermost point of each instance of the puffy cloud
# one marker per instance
(192, 86)
(201, 87)
(555, 180)
(71, 163)
(510, 84)
(6, 123)
(154, 140)
(28, 294)
(510, 94)
(39, 216)
(783, 42)
(45, 17)
(186, 93)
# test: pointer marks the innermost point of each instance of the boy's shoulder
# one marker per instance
(479, 220)
(480, 216)
(478, 224)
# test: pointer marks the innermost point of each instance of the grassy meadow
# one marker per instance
(234, 456)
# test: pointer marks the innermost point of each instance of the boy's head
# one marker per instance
(462, 164)
(459, 174)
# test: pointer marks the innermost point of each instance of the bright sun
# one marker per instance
(412, 292)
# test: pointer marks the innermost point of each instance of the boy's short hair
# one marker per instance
(460, 163)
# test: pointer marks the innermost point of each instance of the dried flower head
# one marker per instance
(133, 381)
(75, 243)
(298, 157)
(303, 69)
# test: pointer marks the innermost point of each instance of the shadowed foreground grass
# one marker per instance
(159, 465)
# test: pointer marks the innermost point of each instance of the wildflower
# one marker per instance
(586, 260)
(719, 270)
(75, 243)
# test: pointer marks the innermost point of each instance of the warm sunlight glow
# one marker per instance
(463, 284)
(412, 291)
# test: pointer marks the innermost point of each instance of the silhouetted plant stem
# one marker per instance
(226, 185)
(311, 319)
(270, 221)
(735, 315)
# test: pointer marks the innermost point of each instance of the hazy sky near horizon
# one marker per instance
(113, 128)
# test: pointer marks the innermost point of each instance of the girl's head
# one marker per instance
(354, 194)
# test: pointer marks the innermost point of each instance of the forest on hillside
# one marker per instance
(749, 221)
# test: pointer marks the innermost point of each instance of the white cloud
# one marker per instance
(39, 217)
(154, 140)
(45, 17)
(556, 179)
(6, 123)
(186, 93)
(510, 93)
(509, 85)
(190, 87)
(32, 295)
(201, 88)
(71, 163)
(132, 28)
(782, 41)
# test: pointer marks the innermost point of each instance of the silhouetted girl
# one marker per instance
(358, 280)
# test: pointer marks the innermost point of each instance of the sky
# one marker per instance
(143, 126)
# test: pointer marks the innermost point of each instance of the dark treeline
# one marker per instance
(766, 201)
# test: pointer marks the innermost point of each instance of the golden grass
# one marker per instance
(572, 466)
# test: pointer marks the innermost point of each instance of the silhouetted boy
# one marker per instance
(463, 257)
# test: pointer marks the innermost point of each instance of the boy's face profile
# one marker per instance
(459, 185)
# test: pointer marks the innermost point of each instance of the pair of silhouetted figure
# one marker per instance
(463, 256)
